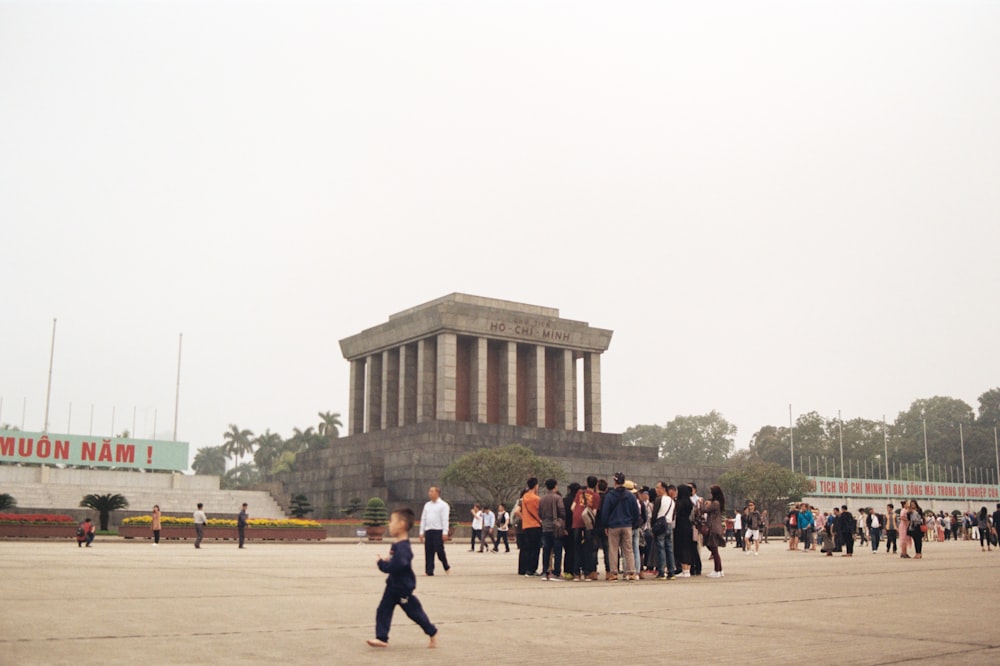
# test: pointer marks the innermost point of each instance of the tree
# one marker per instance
(304, 440)
(495, 475)
(353, 506)
(270, 446)
(241, 476)
(238, 443)
(376, 515)
(210, 460)
(7, 501)
(706, 439)
(329, 427)
(104, 505)
(300, 506)
(771, 486)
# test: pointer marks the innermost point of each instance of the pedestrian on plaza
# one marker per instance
(400, 583)
(503, 525)
(916, 528)
(433, 527)
(586, 507)
(200, 520)
(715, 508)
(984, 529)
(552, 513)
(621, 511)
(684, 544)
(792, 524)
(85, 533)
(754, 522)
(846, 527)
(477, 527)
(807, 525)
(695, 534)
(568, 541)
(891, 528)
(738, 529)
(875, 522)
(489, 521)
(664, 520)
(155, 524)
(241, 523)
(531, 530)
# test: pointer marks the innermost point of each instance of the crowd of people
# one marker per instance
(635, 532)
(905, 529)
(640, 532)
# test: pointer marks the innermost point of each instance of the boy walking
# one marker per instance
(400, 583)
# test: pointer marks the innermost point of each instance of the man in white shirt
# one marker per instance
(874, 529)
(433, 527)
(665, 508)
(488, 519)
(199, 525)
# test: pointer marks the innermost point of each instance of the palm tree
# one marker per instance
(329, 426)
(241, 476)
(104, 505)
(303, 440)
(238, 443)
(269, 448)
(210, 460)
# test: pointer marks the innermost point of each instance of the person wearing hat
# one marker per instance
(621, 511)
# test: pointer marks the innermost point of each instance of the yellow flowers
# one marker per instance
(174, 521)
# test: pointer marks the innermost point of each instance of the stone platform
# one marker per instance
(127, 602)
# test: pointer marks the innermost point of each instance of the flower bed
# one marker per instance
(37, 525)
(172, 527)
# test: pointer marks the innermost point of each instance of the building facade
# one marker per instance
(461, 373)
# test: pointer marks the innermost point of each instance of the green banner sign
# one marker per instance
(53, 449)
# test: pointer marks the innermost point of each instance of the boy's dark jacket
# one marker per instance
(400, 579)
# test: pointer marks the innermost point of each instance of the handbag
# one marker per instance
(660, 526)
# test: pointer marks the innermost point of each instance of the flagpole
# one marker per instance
(177, 395)
(48, 390)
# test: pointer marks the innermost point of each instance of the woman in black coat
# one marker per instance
(683, 534)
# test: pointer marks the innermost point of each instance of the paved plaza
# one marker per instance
(126, 602)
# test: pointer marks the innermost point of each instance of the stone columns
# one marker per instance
(356, 398)
(567, 391)
(536, 397)
(390, 389)
(447, 371)
(592, 392)
(373, 392)
(508, 384)
(426, 379)
(408, 377)
(477, 381)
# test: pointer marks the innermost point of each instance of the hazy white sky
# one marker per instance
(768, 202)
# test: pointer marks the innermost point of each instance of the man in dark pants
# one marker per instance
(696, 554)
(531, 530)
(433, 527)
(891, 528)
(846, 526)
(241, 523)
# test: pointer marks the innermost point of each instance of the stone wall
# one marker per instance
(399, 465)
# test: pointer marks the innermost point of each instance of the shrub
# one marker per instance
(376, 515)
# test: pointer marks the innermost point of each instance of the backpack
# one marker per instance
(696, 516)
(80, 532)
(588, 515)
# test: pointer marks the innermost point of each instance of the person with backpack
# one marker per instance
(85, 533)
(586, 505)
(684, 545)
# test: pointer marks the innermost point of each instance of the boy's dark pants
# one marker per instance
(410, 605)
